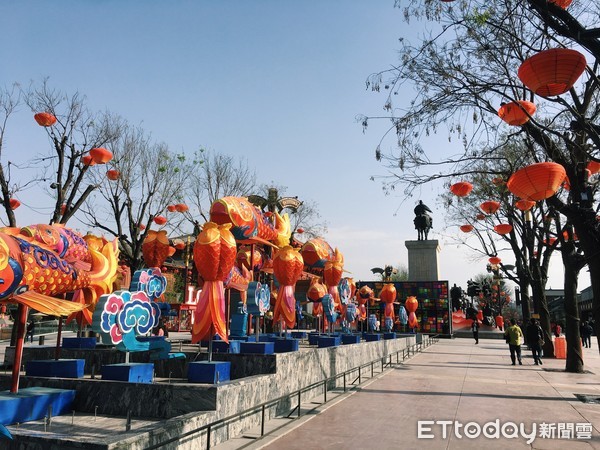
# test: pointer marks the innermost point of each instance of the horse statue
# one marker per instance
(423, 221)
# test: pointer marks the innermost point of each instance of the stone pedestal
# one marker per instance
(422, 260)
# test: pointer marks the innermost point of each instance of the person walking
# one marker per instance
(30, 330)
(586, 334)
(475, 328)
(513, 336)
(535, 340)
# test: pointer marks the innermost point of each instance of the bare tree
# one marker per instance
(9, 102)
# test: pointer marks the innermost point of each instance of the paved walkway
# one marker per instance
(456, 380)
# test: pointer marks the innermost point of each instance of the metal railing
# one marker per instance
(383, 362)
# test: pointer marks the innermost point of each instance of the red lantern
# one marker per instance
(537, 181)
(480, 315)
(14, 203)
(63, 208)
(141, 226)
(550, 241)
(87, 160)
(517, 113)
(181, 207)
(101, 155)
(461, 189)
(490, 207)
(498, 181)
(45, 119)
(503, 228)
(113, 174)
(179, 245)
(160, 220)
(480, 216)
(495, 260)
(300, 230)
(466, 228)
(552, 72)
(564, 4)
(171, 208)
(593, 167)
(524, 205)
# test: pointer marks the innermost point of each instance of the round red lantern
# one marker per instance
(517, 113)
(564, 4)
(160, 220)
(63, 208)
(171, 208)
(461, 189)
(538, 181)
(480, 216)
(503, 228)
(498, 181)
(552, 72)
(466, 228)
(490, 206)
(14, 203)
(179, 245)
(45, 119)
(495, 260)
(87, 160)
(593, 167)
(101, 155)
(181, 207)
(524, 205)
(113, 174)
(299, 230)
(141, 226)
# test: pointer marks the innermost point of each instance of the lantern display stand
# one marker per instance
(329, 341)
(350, 338)
(211, 372)
(389, 335)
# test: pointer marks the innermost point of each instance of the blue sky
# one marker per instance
(278, 82)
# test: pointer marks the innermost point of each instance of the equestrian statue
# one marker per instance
(423, 221)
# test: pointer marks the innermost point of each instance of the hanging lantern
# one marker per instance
(466, 228)
(495, 260)
(538, 181)
(498, 181)
(87, 160)
(550, 241)
(503, 228)
(45, 119)
(524, 205)
(171, 208)
(564, 4)
(490, 206)
(300, 230)
(63, 209)
(517, 113)
(179, 244)
(160, 220)
(141, 226)
(593, 167)
(552, 72)
(14, 203)
(480, 216)
(181, 207)
(461, 189)
(101, 155)
(113, 174)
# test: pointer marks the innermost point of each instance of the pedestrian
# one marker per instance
(513, 335)
(586, 334)
(30, 330)
(557, 330)
(535, 339)
(475, 328)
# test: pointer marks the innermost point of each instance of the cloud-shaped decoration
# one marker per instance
(388, 324)
(344, 290)
(329, 308)
(351, 312)
(138, 315)
(259, 298)
(402, 316)
(299, 315)
(372, 321)
(151, 281)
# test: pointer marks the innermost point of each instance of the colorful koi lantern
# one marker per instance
(160, 220)
(461, 189)
(171, 208)
(503, 228)
(593, 167)
(552, 72)
(517, 113)
(388, 296)
(101, 155)
(287, 267)
(45, 119)
(495, 260)
(538, 181)
(14, 203)
(113, 174)
(155, 248)
(490, 206)
(466, 228)
(181, 207)
(87, 160)
(524, 205)
(411, 304)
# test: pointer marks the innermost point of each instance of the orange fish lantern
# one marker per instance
(287, 267)
(160, 220)
(316, 292)
(45, 119)
(101, 155)
(332, 274)
(466, 228)
(247, 221)
(516, 113)
(316, 252)
(537, 181)
(155, 248)
(388, 296)
(113, 174)
(214, 257)
(490, 206)
(461, 189)
(250, 263)
(411, 304)
(14, 203)
(503, 228)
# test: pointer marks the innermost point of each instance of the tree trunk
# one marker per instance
(574, 361)
(537, 288)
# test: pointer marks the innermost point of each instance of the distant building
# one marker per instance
(584, 303)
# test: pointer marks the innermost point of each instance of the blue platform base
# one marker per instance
(211, 372)
(32, 404)
(370, 337)
(283, 345)
(313, 338)
(299, 334)
(263, 348)
(55, 368)
(130, 372)
(390, 335)
(224, 347)
(267, 337)
(350, 338)
(81, 342)
(329, 341)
